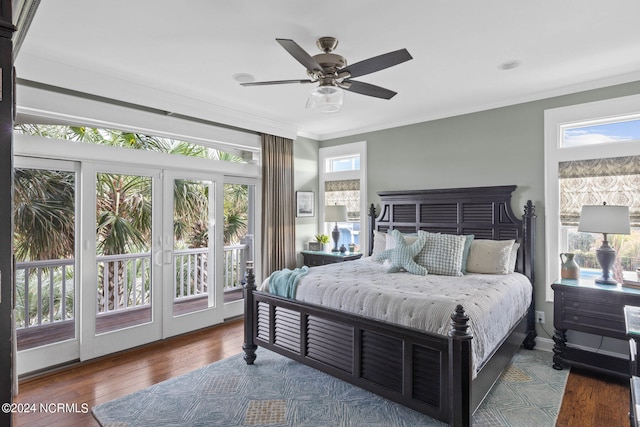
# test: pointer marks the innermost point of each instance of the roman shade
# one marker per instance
(615, 181)
(344, 192)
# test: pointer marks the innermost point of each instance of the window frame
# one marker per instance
(555, 121)
(344, 150)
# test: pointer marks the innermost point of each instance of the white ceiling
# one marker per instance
(180, 56)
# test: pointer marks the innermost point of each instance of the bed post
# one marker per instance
(529, 271)
(372, 227)
(249, 345)
(459, 370)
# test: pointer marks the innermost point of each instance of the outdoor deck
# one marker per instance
(35, 336)
(46, 292)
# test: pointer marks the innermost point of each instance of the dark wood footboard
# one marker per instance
(426, 372)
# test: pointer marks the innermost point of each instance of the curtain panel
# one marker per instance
(278, 205)
(591, 182)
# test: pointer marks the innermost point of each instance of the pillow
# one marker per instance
(442, 253)
(379, 242)
(490, 256)
(465, 252)
(513, 259)
(391, 241)
(401, 256)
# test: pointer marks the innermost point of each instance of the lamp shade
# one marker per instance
(604, 219)
(335, 213)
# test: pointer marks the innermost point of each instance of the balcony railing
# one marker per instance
(45, 289)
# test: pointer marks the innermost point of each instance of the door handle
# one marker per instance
(158, 259)
(168, 257)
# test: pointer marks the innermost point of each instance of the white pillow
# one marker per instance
(513, 259)
(490, 256)
(442, 253)
(379, 242)
(391, 242)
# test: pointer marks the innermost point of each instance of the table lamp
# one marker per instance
(605, 219)
(336, 214)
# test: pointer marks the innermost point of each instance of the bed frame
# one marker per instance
(427, 372)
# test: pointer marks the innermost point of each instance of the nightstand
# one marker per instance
(314, 258)
(584, 306)
(632, 326)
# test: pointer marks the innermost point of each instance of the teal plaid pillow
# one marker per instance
(442, 253)
(402, 255)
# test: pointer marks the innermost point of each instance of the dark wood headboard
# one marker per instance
(484, 212)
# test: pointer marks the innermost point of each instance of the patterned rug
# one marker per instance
(279, 392)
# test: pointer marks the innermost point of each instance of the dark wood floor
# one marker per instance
(594, 401)
(588, 401)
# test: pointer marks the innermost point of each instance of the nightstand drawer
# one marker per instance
(593, 323)
(589, 306)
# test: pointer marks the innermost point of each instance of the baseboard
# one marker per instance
(544, 344)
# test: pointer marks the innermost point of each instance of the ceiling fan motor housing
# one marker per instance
(330, 62)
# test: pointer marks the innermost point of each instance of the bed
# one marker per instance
(436, 372)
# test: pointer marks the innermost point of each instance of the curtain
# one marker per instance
(591, 182)
(278, 204)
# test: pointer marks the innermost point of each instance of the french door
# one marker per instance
(122, 308)
(46, 192)
(191, 241)
(146, 246)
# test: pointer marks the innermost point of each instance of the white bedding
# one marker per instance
(494, 303)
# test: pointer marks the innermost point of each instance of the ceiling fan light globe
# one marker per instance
(326, 99)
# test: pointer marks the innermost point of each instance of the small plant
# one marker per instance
(322, 238)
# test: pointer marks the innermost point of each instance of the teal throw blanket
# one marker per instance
(285, 282)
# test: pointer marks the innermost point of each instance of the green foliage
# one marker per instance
(322, 238)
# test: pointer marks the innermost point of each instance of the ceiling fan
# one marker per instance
(332, 73)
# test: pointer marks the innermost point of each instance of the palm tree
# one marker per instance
(236, 198)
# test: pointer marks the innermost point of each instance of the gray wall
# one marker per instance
(502, 146)
(305, 152)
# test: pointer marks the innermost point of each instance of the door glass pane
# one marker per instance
(238, 236)
(44, 231)
(123, 250)
(192, 219)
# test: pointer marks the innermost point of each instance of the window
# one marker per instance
(133, 140)
(345, 163)
(342, 182)
(620, 130)
(592, 155)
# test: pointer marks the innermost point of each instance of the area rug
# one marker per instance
(279, 392)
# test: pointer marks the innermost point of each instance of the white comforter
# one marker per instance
(494, 303)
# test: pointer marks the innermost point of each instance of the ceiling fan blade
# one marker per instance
(367, 89)
(377, 63)
(275, 82)
(300, 55)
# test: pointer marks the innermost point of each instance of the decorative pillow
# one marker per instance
(490, 256)
(513, 259)
(442, 253)
(391, 241)
(401, 256)
(465, 252)
(379, 242)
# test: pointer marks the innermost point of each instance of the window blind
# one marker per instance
(615, 181)
(344, 192)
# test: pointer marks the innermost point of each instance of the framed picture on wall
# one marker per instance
(304, 203)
